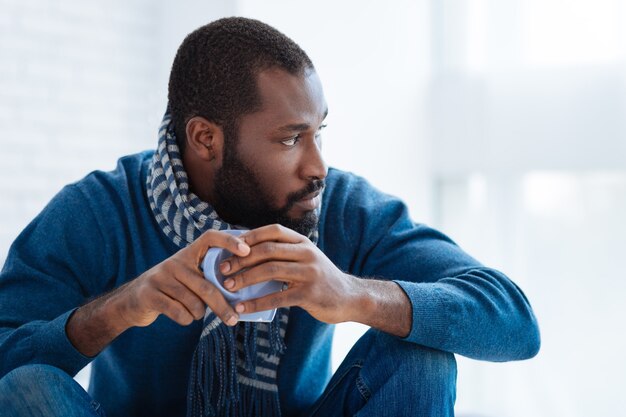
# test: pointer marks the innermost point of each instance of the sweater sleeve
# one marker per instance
(50, 269)
(458, 305)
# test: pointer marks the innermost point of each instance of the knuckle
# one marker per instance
(199, 306)
(237, 261)
(268, 248)
(160, 304)
(272, 268)
(309, 255)
(184, 318)
(242, 278)
(198, 314)
(208, 288)
(248, 236)
(225, 314)
(179, 314)
(292, 270)
(197, 309)
(233, 241)
(310, 270)
(174, 313)
(141, 292)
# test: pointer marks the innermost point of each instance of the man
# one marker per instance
(109, 272)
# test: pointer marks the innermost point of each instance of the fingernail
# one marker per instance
(225, 267)
(243, 247)
(229, 283)
(240, 308)
(232, 321)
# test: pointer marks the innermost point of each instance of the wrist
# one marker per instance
(383, 305)
(361, 304)
(94, 325)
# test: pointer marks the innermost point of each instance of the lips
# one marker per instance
(312, 195)
(310, 201)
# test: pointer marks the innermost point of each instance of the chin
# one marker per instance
(304, 224)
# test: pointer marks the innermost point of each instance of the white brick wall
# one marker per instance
(77, 90)
(82, 82)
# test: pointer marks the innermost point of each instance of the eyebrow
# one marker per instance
(299, 127)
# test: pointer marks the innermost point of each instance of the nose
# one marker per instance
(312, 165)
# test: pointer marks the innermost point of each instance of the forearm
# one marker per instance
(479, 314)
(174, 288)
(382, 305)
(95, 325)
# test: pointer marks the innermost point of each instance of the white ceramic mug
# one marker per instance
(210, 267)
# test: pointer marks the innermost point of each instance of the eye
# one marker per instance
(291, 141)
(319, 131)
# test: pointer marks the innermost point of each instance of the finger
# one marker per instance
(275, 232)
(262, 252)
(220, 239)
(208, 293)
(276, 300)
(172, 309)
(267, 271)
(176, 290)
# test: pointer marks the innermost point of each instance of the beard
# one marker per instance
(240, 199)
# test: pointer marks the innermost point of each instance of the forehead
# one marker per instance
(287, 98)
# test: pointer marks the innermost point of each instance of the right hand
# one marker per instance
(177, 288)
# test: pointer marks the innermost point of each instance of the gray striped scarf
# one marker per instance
(233, 370)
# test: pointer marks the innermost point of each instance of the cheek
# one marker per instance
(276, 186)
(273, 176)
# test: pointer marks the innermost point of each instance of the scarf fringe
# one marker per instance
(256, 402)
(213, 368)
(214, 372)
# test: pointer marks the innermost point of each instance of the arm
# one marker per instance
(47, 274)
(175, 288)
(458, 304)
(455, 303)
(315, 283)
(60, 260)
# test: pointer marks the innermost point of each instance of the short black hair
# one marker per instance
(215, 69)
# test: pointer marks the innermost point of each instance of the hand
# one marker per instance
(314, 282)
(177, 288)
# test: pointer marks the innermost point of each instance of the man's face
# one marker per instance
(275, 168)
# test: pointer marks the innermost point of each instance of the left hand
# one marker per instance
(314, 282)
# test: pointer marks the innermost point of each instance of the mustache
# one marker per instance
(313, 186)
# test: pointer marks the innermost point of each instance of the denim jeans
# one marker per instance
(43, 390)
(385, 376)
(380, 376)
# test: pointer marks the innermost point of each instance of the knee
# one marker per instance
(424, 378)
(39, 390)
(28, 376)
(412, 361)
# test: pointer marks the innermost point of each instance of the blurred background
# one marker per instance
(500, 122)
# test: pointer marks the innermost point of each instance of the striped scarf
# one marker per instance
(233, 370)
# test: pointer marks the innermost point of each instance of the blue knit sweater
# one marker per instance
(99, 233)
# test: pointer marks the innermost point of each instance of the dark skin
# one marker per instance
(282, 146)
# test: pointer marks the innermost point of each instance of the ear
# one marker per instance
(204, 138)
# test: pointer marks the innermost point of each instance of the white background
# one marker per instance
(501, 122)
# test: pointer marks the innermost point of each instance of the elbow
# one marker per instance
(534, 339)
(529, 340)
